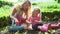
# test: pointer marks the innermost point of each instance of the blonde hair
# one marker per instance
(36, 9)
(29, 6)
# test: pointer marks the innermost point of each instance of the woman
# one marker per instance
(19, 11)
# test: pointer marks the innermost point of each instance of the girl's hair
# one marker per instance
(35, 10)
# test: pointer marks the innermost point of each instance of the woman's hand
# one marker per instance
(16, 20)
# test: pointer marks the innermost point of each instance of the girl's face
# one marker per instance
(35, 12)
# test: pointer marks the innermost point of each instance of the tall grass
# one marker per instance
(5, 11)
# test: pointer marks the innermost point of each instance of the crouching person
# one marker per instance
(17, 15)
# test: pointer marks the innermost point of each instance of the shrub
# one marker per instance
(52, 7)
(5, 3)
(4, 21)
(34, 3)
(58, 1)
(51, 15)
(55, 15)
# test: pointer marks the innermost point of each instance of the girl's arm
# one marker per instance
(40, 19)
(29, 24)
(29, 20)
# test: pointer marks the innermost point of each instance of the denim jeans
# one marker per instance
(13, 28)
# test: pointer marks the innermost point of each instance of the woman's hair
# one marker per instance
(27, 2)
(28, 10)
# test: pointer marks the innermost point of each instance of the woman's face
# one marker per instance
(26, 6)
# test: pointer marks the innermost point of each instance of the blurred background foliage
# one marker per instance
(50, 10)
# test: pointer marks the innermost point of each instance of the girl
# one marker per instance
(18, 11)
(35, 19)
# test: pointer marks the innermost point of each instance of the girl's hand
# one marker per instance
(38, 21)
(28, 22)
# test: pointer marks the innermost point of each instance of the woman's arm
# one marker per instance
(12, 15)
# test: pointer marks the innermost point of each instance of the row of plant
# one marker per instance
(4, 21)
(55, 15)
(2, 3)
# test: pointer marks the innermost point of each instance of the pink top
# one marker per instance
(21, 20)
(19, 16)
(34, 19)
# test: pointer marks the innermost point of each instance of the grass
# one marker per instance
(6, 10)
(5, 29)
(47, 7)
